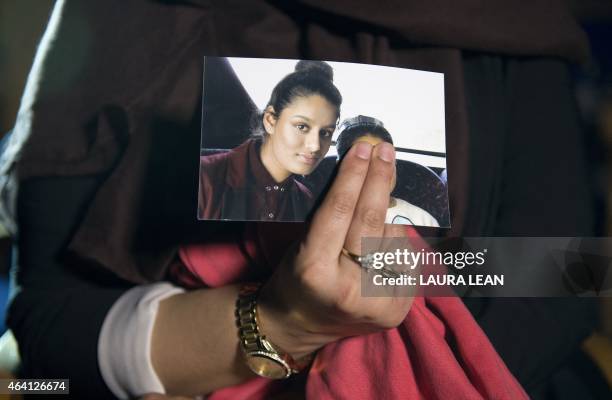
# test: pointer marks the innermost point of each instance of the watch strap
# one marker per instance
(252, 341)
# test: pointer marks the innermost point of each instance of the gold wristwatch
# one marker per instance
(263, 357)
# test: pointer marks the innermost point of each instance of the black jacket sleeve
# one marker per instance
(60, 304)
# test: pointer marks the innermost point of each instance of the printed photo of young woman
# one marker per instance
(274, 130)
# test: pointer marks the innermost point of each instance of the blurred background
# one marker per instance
(23, 21)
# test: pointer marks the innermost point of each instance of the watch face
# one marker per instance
(267, 366)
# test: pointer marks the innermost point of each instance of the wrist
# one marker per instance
(287, 327)
(264, 357)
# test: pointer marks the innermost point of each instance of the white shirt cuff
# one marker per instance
(124, 345)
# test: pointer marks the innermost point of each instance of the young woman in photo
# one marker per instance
(256, 180)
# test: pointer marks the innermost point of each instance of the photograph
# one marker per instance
(275, 130)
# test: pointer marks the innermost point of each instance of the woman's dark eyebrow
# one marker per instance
(303, 117)
(332, 126)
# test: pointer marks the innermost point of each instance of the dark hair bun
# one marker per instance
(320, 68)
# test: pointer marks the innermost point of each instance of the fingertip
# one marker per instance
(363, 150)
(385, 151)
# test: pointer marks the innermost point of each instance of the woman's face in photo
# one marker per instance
(300, 136)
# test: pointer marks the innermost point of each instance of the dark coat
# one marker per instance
(235, 186)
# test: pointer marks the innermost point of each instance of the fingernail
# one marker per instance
(386, 152)
(363, 150)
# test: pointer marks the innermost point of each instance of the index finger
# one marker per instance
(331, 222)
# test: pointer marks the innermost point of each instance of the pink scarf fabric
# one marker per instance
(439, 352)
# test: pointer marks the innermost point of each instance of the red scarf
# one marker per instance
(439, 352)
